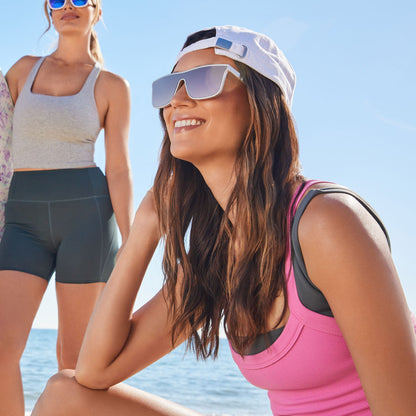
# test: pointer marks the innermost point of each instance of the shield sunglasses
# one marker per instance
(201, 83)
(59, 4)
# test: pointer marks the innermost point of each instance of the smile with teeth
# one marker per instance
(188, 122)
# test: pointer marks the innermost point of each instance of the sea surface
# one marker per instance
(210, 387)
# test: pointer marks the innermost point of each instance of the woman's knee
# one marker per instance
(57, 390)
(61, 383)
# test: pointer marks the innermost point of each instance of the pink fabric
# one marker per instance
(308, 370)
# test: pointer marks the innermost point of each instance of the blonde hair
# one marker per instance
(94, 44)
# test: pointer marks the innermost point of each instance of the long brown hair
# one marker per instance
(218, 282)
(94, 44)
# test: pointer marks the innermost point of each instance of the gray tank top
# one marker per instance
(55, 132)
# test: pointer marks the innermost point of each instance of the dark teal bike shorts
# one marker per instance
(60, 221)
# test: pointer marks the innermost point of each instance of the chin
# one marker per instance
(179, 152)
(180, 156)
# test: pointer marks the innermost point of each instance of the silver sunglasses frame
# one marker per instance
(228, 68)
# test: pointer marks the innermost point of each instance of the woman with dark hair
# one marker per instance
(62, 212)
(300, 271)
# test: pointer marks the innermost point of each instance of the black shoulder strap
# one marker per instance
(308, 293)
(336, 189)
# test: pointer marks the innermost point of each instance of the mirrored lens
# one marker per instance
(163, 89)
(205, 82)
(59, 4)
(79, 3)
(201, 83)
(56, 4)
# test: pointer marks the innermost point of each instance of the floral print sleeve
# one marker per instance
(6, 115)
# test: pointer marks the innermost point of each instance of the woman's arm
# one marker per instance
(348, 259)
(115, 92)
(118, 343)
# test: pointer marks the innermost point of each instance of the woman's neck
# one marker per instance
(221, 181)
(73, 50)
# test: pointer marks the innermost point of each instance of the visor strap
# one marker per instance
(236, 48)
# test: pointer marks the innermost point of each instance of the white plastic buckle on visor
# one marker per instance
(60, 4)
(201, 83)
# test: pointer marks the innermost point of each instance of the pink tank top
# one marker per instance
(308, 370)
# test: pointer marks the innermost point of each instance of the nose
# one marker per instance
(181, 96)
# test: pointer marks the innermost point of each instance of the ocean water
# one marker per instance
(210, 387)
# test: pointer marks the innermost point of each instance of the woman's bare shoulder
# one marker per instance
(23, 65)
(113, 81)
(336, 232)
(18, 73)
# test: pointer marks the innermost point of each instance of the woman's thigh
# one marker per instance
(20, 297)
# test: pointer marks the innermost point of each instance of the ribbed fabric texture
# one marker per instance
(55, 132)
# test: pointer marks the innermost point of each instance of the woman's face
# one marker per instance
(72, 19)
(216, 126)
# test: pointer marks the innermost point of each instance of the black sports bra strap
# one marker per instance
(336, 189)
(310, 296)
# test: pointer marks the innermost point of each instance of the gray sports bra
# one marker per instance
(55, 132)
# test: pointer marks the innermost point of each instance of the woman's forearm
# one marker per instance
(110, 324)
(120, 184)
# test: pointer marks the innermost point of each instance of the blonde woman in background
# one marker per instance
(62, 211)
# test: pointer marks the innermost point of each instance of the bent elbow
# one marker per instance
(90, 380)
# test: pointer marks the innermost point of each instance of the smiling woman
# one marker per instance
(299, 271)
(205, 134)
(62, 212)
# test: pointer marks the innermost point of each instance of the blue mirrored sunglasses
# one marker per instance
(201, 83)
(59, 4)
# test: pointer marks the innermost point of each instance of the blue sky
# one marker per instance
(354, 102)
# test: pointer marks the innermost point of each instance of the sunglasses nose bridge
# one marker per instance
(181, 88)
(67, 3)
(181, 83)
